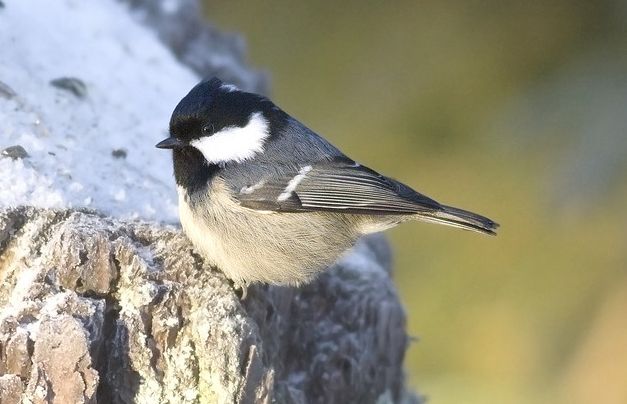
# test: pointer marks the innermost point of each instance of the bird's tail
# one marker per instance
(460, 218)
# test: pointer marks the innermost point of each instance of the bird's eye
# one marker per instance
(207, 130)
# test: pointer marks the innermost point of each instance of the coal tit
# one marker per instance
(266, 199)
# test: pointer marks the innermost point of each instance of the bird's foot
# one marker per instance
(241, 289)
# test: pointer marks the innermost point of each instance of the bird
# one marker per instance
(267, 200)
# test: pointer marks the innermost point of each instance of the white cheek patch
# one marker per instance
(234, 143)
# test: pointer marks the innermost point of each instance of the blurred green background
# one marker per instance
(516, 110)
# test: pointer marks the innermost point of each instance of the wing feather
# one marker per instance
(334, 186)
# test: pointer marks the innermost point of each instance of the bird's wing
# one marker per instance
(338, 185)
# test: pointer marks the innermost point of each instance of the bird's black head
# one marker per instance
(212, 106)
(216, 124)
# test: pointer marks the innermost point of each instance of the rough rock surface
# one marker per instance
(97, 309)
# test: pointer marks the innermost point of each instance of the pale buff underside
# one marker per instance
(278, 248)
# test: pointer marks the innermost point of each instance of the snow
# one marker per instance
(132, 85)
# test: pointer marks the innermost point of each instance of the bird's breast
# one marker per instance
(198, 229)
(277, 248)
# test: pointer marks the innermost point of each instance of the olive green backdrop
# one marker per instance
(517, 111)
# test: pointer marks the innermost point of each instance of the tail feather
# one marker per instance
(460, 218)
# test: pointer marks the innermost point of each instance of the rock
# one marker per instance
(71, 84)
(5, 90)
(99, 309)
(62, 367)
(14, 152)
(11, 389)
(119, 153)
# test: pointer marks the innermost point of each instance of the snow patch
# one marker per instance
(132, 83)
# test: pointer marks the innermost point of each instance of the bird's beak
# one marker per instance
(170, 143)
